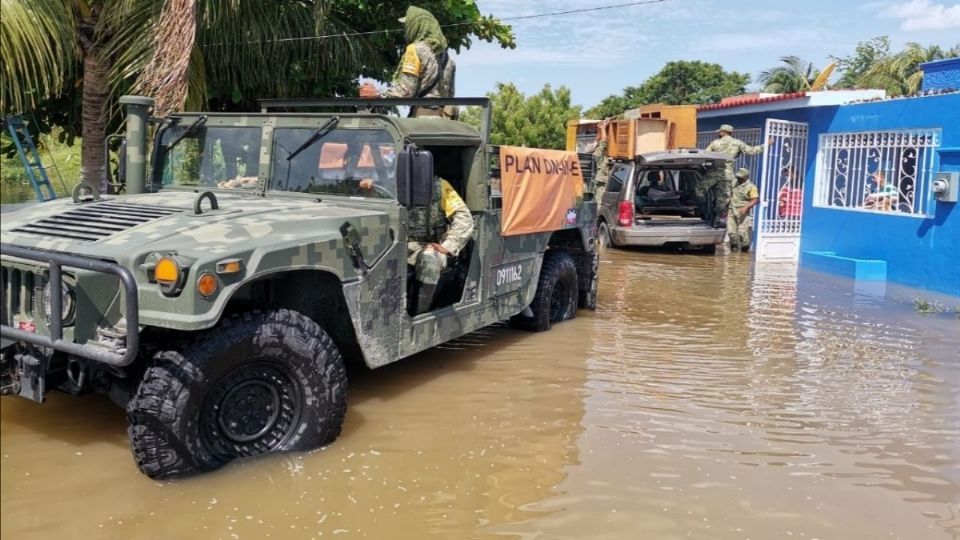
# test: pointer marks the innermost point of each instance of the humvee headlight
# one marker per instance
(207, 284)
(66, 314)
(169, 275)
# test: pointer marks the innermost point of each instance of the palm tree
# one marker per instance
(900, 74)
(795, 75)
(172, 50)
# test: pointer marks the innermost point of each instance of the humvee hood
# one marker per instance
(115, 227)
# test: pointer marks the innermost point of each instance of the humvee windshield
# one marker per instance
(229, 158)
(337, 163)
(226, 157)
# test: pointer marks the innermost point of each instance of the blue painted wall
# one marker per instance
(941, 75)
(921, 252)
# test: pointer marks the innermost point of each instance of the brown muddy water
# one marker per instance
(705, 398)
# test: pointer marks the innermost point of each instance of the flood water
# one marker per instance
(705, 398)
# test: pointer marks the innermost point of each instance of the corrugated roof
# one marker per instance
(750, 100)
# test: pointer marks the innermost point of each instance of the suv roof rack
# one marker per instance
(346, 103)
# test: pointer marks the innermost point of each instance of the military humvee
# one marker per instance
(220, 296)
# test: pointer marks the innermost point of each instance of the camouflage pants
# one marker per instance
(722, 199)
(739, 228)
(427, 263)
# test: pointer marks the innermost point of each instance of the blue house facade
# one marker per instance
(941, 75)
(866, 177)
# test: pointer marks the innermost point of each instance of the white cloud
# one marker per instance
(923, 15)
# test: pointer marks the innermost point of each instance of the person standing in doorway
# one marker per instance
(426, 69)
(740, 215)
(726, 144)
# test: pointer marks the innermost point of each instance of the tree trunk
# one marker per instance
(93, 168)
(95, 90)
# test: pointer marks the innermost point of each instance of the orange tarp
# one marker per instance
(332, 155)
(541, 190)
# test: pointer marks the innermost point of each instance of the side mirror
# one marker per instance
(415, 177)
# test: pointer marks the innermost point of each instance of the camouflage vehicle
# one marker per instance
(219, 298)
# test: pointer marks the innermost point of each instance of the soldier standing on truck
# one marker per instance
(426, 69)
(727, 144)
(599, 150)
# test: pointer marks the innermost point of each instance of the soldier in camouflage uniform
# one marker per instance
(740, 215)
(437, 233)
(724, 180)
(426, 69)
(599, 151)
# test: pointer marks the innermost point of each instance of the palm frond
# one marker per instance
(165, 77)
(37, 51)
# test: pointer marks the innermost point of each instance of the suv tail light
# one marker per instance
(625, 217)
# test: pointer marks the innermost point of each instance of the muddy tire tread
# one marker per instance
(557, 265)
(166, 442)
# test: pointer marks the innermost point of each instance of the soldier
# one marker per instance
(436, 233)
(740, 214)
(734, 148)
(426, 69)
(599, 151)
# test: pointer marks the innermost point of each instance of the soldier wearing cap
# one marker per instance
(426, 69)
(727, 144)
(740, 215)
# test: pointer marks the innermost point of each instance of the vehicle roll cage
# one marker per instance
(361, 104)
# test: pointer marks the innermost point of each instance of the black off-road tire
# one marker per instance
(259, 382)
(604, 240)
(556, 296)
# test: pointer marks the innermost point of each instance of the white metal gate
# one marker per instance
(781, 191)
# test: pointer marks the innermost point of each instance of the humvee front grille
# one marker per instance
(96, 221)
(18, 289)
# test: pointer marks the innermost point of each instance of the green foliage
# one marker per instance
(795, 75)
(37, 52)
(537, 121)
(900, 74)
(243, 51)
(56, 156)
(852, 68)
(678, 83)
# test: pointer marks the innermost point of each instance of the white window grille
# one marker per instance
(877, 171)
(750, 136)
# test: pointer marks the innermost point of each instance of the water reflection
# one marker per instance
(707, 398)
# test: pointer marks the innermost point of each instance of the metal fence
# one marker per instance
(877, 171)
(781, 188)
(750, 136)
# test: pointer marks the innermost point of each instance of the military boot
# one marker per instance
(421, 298)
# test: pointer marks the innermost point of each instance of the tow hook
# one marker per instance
(22, 374)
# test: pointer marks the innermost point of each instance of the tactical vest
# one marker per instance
(428, 223)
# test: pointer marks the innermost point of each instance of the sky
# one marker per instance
(597, 54)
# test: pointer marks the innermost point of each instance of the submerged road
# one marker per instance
(706, 398)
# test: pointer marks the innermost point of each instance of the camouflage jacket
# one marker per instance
(419, 68)
(734, 148)
(603, 166)
(742, 194)
(454, 216)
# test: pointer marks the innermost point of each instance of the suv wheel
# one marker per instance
(556, 296)
(257, 383)
(603, 235)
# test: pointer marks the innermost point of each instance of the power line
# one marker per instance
(573, 11)
(452, 25)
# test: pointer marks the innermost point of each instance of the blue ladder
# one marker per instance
(36, 172)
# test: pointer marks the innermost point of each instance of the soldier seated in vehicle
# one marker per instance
(437, 233)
